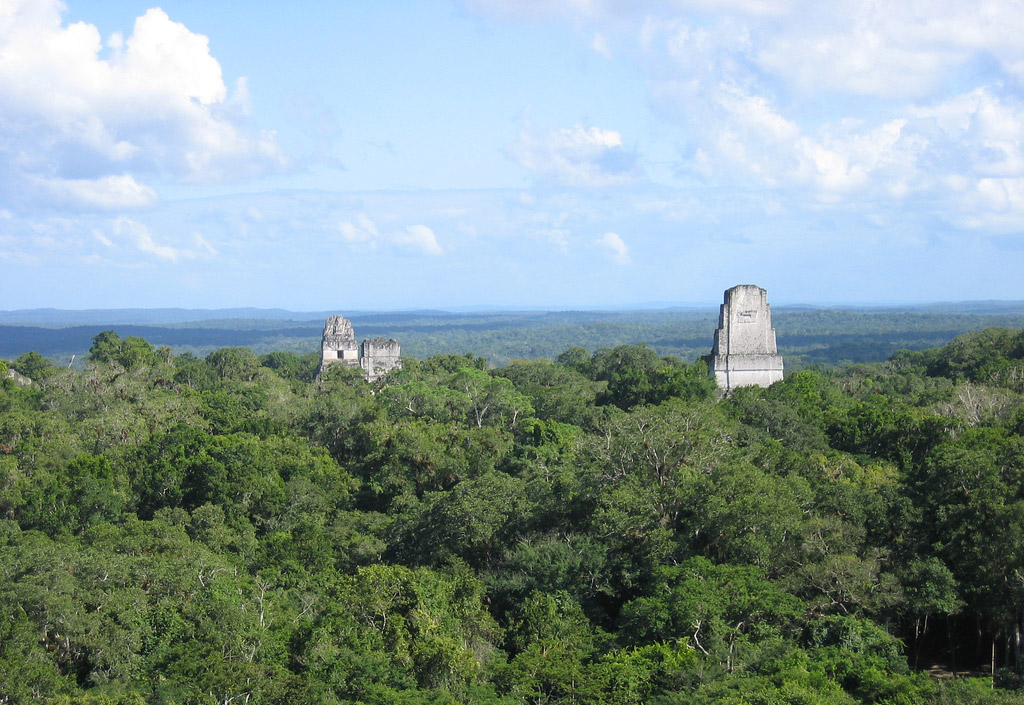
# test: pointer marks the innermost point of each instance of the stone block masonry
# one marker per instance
(338, 346)
(744, 351)
(338, 343)
(379, 356)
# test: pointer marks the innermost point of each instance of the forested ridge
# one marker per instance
(807, 337)
(598, 528)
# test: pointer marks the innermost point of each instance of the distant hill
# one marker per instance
(807, 335)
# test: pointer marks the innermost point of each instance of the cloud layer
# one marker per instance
(867, 150)
(879, 105)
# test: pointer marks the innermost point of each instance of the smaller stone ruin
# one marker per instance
(744, 351)
(376, 357)
(379, 356)
(19, 379)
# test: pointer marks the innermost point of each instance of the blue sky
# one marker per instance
(573, 154)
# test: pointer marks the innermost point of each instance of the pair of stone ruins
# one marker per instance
(375, 356)
(744, 352)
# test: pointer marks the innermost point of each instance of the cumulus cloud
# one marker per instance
(578, 156)
(751, 139)
(91, 123)
(616, 248)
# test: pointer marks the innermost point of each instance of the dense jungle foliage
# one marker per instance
(599, 528)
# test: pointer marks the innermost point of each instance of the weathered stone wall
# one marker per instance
(19, 379)
(745, 351)
(379, 356)
(375, 356)
(338, 344)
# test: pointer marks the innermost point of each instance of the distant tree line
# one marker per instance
(806, 337)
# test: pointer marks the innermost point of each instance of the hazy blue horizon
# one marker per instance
(184, 315)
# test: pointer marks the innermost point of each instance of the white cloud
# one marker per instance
(418, 238)
(864, 47)
(106, 193)
(607, 10)
(750, 138)
(984, 131)
(363, 233)
(993, 205)
(90, 123)
(617, 249)
(135, 234)
(843, 159)
(139, 235)
(162, 57)
(893, 49)
(363, 230)
(578, 156)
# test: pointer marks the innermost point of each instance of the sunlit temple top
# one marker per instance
(744, 351)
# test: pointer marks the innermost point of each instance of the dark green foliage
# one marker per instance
(718, 608)
(34, 366)
(558, 392)
(130, 353)
(636, 375)
(234, 363)
(993, 355)
(290, 365)
(600, 529)
(194, 373)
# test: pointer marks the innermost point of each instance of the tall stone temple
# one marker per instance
(338, 346)
(745, 352)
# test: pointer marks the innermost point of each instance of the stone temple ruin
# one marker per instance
(338, 346)
(745, 352)
(379, 356)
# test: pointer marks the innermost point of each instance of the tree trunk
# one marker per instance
(979, 644)
(992, 666)
(917, 643)
(1016, 643)
(952, 645)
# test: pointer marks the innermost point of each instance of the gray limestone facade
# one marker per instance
(745, 352)
(379, 356)
(19, 379)
(338, 346)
